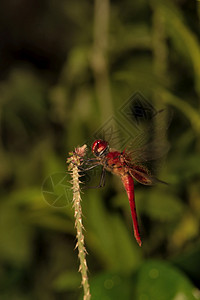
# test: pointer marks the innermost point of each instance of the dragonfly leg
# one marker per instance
(87, 169)
(101, 182)
(89, 160)
(102, 179)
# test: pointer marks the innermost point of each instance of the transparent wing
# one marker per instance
(151, 143)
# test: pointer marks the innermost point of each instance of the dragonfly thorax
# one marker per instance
(100, 148)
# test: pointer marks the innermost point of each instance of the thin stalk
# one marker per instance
(198, 8)
(160, 64)
(99, 57)
(74, 162)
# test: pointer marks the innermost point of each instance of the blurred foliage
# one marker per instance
(66, 67)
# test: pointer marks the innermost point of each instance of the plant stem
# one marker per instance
(75, 161)
(98, 57)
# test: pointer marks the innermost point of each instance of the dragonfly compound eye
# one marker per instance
(100, 148)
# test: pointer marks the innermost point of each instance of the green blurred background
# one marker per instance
(66, 67)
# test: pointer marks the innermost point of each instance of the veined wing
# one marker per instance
(151, 143)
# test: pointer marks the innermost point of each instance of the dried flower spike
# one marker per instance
(75, 160)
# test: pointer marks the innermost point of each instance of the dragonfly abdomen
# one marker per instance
(129, 187)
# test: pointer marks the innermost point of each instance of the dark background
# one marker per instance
(66, 68)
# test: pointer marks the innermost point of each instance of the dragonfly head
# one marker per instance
(100, 148)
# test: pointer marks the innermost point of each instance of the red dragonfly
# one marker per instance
(129, 166)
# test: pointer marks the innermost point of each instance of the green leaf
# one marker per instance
(159, 280)
(182, 37)
(109, 237)
(189, 261)
(160, 205)
(110, 286)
